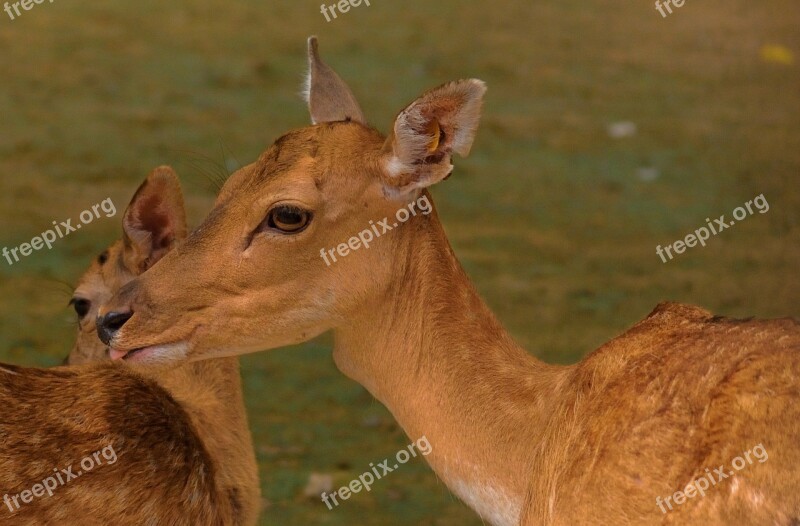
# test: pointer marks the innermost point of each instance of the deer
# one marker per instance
(185, 455)
(520, 441)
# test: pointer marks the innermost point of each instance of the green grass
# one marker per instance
(547, 214)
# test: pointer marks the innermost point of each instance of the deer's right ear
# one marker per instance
(329, 98)
(425, 134)
(155, 220)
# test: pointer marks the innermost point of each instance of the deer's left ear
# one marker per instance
(425, 135)
(328, 96)
(155, 220)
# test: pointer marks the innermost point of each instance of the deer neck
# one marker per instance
(211, 393)
(431, 351)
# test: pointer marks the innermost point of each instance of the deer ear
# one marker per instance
(425, 135)
(329, 99)
(155, 220)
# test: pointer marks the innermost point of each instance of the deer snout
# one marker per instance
(109, 324)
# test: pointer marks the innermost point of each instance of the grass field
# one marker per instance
(555, 220)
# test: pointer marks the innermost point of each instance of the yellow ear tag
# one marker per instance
(435, 132)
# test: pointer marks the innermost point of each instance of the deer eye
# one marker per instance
(81, 306)
(287, 219)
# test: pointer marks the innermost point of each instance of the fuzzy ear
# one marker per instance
(155, 220)
(329, 99)
(425, 134)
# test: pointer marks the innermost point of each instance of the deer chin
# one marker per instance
(169, 352)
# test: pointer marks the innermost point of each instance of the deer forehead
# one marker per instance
(336, 150)
(92, 284)
(106, 270)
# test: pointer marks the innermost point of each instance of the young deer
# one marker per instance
(520, 441)
(209, 391)
(184, 448)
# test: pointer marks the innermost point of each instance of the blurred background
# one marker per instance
(608, 130)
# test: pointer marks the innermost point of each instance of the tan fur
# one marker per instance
(520, 441)
(185, 454)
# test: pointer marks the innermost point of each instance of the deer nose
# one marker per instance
(110, 324)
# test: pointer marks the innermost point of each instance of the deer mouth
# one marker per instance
(165, 352)
(116, 354)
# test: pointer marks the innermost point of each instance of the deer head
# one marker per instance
(253, 275)
(153, 223)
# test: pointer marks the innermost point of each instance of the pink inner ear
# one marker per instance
(152, 218)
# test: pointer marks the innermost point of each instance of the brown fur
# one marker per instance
(520, 441)
(184, 450)
(54, 418)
